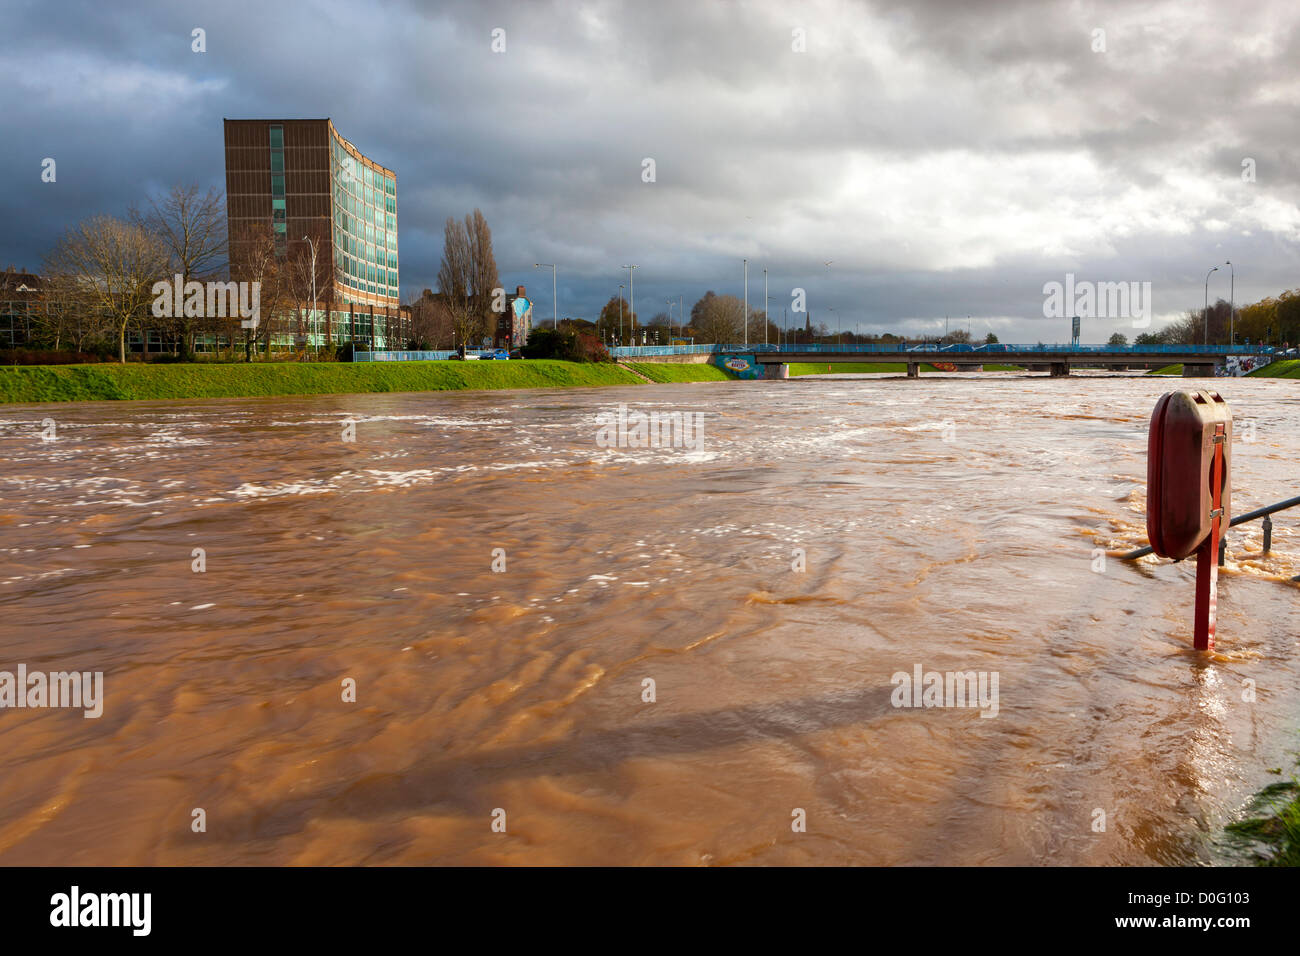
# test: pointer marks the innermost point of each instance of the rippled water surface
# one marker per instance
(948, 523)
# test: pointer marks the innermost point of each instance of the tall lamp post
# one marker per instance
(555, 309)
(828, 273)
(744, 320)
(1232, 303)
(620, 315)
(312, 243)
(1206, 334)
(765, 306)
(631, 306)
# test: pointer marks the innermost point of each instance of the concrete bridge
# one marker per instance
(1197, 360)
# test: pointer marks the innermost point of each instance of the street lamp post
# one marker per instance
(631, 306)
(744, 321)
(1206, 333)
(1232, 303)
(555, 309)
(312, 243)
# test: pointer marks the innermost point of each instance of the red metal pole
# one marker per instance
(1207, 556)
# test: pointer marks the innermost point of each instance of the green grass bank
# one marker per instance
(90, 383)
(1287, 368)
(682, 371)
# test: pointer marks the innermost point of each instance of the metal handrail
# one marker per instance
(1139, 352)
(1239, 519)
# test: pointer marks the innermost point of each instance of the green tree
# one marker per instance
(615, 314)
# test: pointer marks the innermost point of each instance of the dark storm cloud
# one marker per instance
(950, 158)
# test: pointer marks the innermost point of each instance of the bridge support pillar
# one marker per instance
(776, 371)
(913, 369)
(1198, 371)
(1060, 370)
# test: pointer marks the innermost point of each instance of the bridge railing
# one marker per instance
(997, 348)
(402, 356)
(648, 351)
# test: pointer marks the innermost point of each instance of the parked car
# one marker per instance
(499, 354)
(463, 356)
(516, 353)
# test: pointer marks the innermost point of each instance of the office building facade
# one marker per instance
(304, 184)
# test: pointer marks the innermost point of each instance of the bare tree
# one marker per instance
(303, 285)
(431, 321)
(66, 315)
(254, 259)
(468, 278)
(114, 265)
(192, 226)
(483, 265)
(456, 280)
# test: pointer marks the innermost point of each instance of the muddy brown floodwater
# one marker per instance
(947, 524)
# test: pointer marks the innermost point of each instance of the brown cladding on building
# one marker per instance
(301, 178)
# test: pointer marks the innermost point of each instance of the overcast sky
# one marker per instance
(947, 158)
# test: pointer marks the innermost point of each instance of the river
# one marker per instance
(502, 590)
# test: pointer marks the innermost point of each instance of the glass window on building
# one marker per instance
(277, 185)
(277, 137)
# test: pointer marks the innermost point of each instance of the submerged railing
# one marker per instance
(1266, 512)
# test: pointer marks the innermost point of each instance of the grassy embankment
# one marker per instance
(898, 368)
(1286, 368)
(72, 383)
(681, 371)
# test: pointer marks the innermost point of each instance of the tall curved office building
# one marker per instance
(304, 184)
